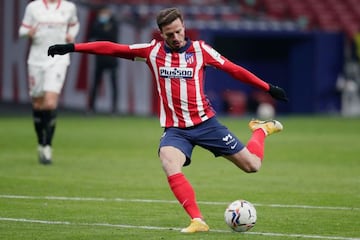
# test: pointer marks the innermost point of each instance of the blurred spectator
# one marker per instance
(348, 85)
(104, 28)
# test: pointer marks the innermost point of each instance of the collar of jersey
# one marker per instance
(182, 49)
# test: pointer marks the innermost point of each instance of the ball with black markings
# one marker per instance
(240, 215)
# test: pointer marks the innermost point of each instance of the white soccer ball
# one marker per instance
(265, 111)
(240, 215)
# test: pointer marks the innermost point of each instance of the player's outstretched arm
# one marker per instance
(100, 48)
(60, 49)
(277, 93)
(248, 77)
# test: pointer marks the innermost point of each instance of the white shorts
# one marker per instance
(49, 79)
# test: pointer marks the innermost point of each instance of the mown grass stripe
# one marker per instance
(170, 228)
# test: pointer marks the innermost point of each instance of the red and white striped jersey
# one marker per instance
(179, 76)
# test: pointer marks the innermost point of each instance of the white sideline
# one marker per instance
(170, 228)
(171, 201)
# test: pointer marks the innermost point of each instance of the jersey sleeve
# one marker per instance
(215, 59)
(27, 23)
(73, 25)
(132, 52)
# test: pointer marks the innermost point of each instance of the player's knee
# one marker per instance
(172, 160)
(163, 155)
(252, 168)
(50, 105)
(255, 165)
(37, 105)
(246, 161)
(252, 165)
(166, 160)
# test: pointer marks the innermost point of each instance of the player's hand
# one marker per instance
(60, 49)
(32, 32)
(277, 93)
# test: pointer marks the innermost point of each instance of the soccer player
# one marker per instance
(47, 22)
(177, 64)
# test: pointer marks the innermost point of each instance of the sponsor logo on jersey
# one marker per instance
(176, 72)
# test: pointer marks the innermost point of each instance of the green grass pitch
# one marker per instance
(107, 183)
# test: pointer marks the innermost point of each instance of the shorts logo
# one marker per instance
(176, 72)
(228, 139)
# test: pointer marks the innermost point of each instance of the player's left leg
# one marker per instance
(222, 142)
(250, 157)
(54, 81)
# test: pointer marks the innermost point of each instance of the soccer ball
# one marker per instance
(240, 215)
(265, 111)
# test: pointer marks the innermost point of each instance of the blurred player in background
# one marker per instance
(186, 115)
(105, 27)
(47, 22)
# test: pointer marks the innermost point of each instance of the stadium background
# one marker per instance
(301, 45)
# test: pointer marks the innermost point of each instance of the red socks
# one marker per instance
(256, 143)
(185, 194)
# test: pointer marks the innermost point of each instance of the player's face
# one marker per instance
(174, 34)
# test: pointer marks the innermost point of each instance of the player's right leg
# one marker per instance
(196, 225)
(173, 159)
(40, 126)
(35, 84)
(44, 153)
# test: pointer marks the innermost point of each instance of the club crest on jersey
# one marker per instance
(176, 72)
(189, 58)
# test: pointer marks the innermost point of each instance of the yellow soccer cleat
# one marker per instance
(196, 225)
(269, 126)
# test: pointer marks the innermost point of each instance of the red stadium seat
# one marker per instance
(299, 10)
(276, 9)
(328, 22)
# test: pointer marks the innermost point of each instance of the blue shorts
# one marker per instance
(210, 135)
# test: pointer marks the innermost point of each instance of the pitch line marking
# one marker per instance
(170, 201)
(170, 228)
